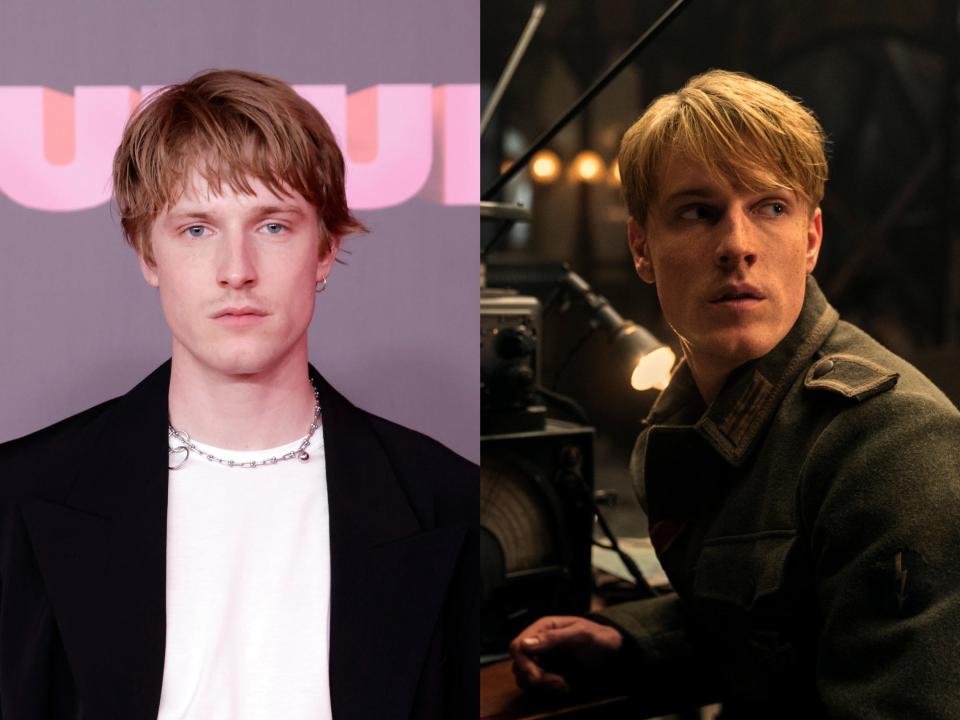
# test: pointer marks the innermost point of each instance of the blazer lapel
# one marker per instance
(388, 576)
(102, 553)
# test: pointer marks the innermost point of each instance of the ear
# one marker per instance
(814, 238)
(327, 257)
(149, 270)
(640, 249)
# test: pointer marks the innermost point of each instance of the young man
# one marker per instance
(802, 482)
(233, 538)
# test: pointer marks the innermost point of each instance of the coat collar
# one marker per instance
(102, 551)
(753, 392)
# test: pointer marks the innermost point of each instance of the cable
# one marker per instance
(643, 587)
(565, 402)
(605, 79)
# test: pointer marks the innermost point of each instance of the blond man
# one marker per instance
(801, 481)
(233, 538)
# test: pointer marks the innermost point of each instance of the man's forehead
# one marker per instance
(681, 175)
(200, 189)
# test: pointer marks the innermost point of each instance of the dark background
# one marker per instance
(882, 77)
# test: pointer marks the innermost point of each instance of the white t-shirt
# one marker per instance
(248, 588)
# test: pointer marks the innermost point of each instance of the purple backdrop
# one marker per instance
(397, 329)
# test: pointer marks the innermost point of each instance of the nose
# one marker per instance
(237, 267)
(736, 242)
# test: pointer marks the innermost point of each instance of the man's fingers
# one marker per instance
(567, 635)
(526, 669)
(556, 641)
(523, 646)
(529, 644)
(552, 682)
(533, 639)
(531, 676)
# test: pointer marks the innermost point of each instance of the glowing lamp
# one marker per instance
(651, 360)
(545, 166)
(653, 370)
(588, 167)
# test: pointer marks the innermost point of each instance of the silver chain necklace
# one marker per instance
(187, 445)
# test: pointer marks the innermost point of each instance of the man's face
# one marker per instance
(729, 264)
(237, 276)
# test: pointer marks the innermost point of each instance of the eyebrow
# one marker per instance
(693, 193)
(276, 209)
(259, 210)
(698, 192)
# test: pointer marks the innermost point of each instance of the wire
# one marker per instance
(604, 80)
(568, 358)
(643, 586)
(566, 402)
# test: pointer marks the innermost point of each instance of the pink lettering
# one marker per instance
(389, 145)
(399, 141)
(72, 172)
(455, 179)
(331, 101)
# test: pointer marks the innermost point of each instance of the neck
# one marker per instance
(708, 376)
(252, 411)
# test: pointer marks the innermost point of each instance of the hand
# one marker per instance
(556, 651)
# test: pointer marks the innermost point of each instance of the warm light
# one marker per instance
(545, 167)
(653, 370)
(588, 167)
(505, 165)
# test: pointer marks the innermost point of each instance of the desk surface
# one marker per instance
(501, 699)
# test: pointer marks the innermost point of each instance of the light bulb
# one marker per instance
(588, 167)
(545, 166)
(653, 370)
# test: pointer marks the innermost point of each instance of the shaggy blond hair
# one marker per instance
(230, 126)
(742, 129)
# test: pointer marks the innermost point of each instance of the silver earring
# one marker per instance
(322, 285)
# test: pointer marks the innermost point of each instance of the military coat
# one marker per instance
(809, 521)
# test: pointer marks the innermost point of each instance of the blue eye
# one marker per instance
(775, 209)
(274, 228)
(196, 231)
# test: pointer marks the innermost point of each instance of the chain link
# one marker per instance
(187, 446)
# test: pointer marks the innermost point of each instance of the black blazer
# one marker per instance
(83, 519)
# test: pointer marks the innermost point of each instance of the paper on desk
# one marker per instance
(643, 555)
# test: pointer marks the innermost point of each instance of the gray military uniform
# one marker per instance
(809, 521)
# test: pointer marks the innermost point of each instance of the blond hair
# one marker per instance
(230, 126)
(740, 128)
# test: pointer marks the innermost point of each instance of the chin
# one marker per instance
(243, 361)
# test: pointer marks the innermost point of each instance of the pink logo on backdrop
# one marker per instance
(399, 142)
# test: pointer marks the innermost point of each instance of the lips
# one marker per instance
(737, 292)
(239, 317)
(239, 312)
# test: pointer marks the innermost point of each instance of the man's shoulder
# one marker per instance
(413, 441)
(27, 461)
(881, 421)
(854, 365)
(429, 471)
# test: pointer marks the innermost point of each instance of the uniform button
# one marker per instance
(822, 368)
